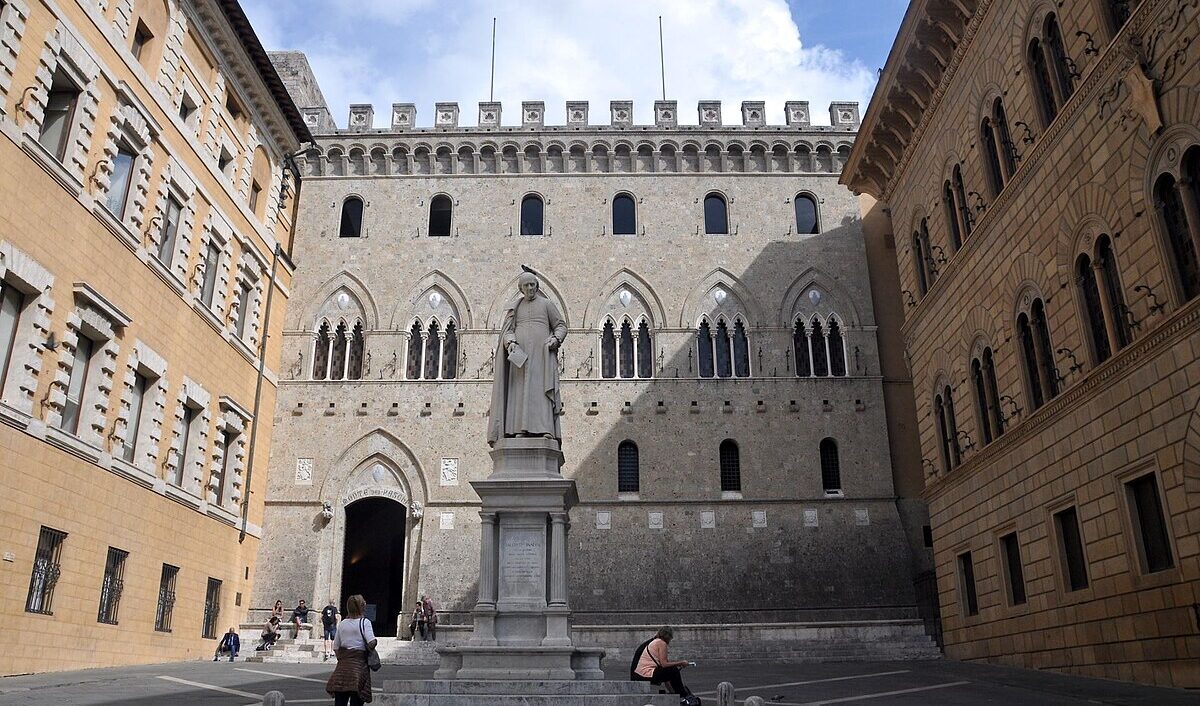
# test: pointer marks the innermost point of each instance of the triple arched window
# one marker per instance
(532, 215)
(998, 154)
(723, 350)
(716, 215)
(987, 396)
(626, 350)
(1037, 358)
(628, 467)
(1101, 300)
(352, 218)
(947, 428)
(1050, 69)
(731, 467)
(831, 472)
(1177, 201)
(819, 348)
(624, 215)
(338, 352)
(807, 218)
(432, 351)
(441, 216)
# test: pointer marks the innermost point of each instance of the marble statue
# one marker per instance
(525, 388)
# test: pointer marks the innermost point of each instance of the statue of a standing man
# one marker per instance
(525, 391)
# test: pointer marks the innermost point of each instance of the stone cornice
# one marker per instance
(1182, 324)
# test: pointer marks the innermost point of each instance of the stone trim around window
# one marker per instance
(179, 183)
(143, 360)
(12, 30)
(249, 272)
(190, 393)
(236, 419)
(63, 50)
(132, 124)
(33, 329)
(215, 229)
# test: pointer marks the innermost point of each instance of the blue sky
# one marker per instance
(423, 51)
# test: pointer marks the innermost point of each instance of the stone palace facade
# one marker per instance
(1038, 163)
(725, 413)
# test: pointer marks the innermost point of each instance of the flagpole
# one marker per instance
(492, 82)
(662, 64)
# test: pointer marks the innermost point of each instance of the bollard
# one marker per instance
(273, 698)
(755, 701)
(724, 694)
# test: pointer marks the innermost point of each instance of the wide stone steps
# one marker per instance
(469, 692)
(310, 651)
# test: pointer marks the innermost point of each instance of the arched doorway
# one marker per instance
(373, 559)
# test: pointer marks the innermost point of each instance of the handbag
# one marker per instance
(373, 662)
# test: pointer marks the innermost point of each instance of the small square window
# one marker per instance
(141, 38)
(187, 108)
(225, 162)
(255, 193)
(234, 108)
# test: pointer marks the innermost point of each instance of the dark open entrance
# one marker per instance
(373, 562)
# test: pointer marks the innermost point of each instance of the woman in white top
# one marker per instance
(350, 683)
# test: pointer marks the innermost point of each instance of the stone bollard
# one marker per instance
(724, 694)
(755, 701)
(273, 698)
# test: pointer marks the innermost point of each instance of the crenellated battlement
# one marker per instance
(843, 117)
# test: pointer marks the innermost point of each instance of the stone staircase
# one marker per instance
(306, 650)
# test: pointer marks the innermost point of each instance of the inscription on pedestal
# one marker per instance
(523, 564)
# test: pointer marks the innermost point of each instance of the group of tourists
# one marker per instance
(424, 620)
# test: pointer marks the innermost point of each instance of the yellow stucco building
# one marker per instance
(145, 214)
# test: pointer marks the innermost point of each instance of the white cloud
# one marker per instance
(419, 51)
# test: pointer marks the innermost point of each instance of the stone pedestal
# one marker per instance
(522, 616)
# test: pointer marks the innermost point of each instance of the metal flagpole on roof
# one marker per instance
(492, 83)
(662, 63)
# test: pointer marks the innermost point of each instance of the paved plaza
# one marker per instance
(913, 683)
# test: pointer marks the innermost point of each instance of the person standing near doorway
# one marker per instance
(417, 625)
(430, 618)
(329, 621)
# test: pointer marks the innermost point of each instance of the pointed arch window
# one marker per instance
(450, 352)
(624, 215)
(626, 362)
(954, 218)
(1050, 70)
(943, 409)
(801, 349)
(321, 352)
(354, 357)
(820, 354)
(831, 472)
(722, 352)
(731, 467)
(441, 216)
(741, 350)
(960, 198)
(837, 350)
(991, 156)
(352, 218)
(608, 351)
(1182, 235)
(628, 471)
(716, 215)
(645, 351)
(433, 351)
(987, 403)
(416, 343)
(337, 353)
(807, 220)
(532, 215)
(1089, 293)
(704, 349)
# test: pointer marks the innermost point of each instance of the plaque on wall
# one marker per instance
(758, 518)
(862, 516)
(304, 471)
(810, 517)
(522, 563)
(449, 475)
(656, 520)
(446, 521)
(603, 520)
(708, 519)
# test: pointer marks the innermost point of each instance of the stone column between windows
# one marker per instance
(1106, 307)
(812, 371)
(329, 353)
(828, 356)
(441, 362)
(558, 559)
(1191, 209)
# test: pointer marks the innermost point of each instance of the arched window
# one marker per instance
(626, 350)
(1118, 13)
(716, 216)
(628, 471)
(624, 215)
(831, 472)
(741, 350)
(731, 467)
(416, 343)
(450, 352)
(807, 222)
(704, 349)
(991, 156)
(352, 217)
(987, 403)
(953, 216)
(1033, 337)
(1004, 139)
(820, 354)
(922, 260)
(1041, 332)
(960, 198)
(531, 215)
(354, 357)
(645, 352)
(1169, 203)
(943, 408)
(1058, 58)
(337, 353)
(1029, 361)
(321, 352)
(1110, 285)
(801, 348)
(1039, 73)
(433, 351)
(441, 212)
(722, 352)
(608, 351)
(837, 350)
(1089, 294)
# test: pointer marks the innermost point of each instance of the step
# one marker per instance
(471, 692)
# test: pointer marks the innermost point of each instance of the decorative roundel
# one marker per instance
(666, 115)
(343, 300)
(625, 297)
(435, 300)
(378, 473)
(719, 295)
(814, 296)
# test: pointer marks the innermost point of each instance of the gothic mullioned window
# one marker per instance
(1033, 339)
(441, 211)
(999, 159)
(947, 428)
(724, 349)
(819, 348)
(532, 215)
(960, 198)
(626, 350)
(955, 220)
(731, 467)
(1049, 69)
(1181, 232)
(628, 470)
(1089, 294)
(338, 351)
(987, 401)
(716, 215)
(352, 218)
(831, 472)
(432, 351)
(321, 352)
(922, 258)
(624, 215)
(1110, 285)
(807, 219)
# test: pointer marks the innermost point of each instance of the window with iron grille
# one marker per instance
(731, 467)
(831, 472)
(111, 587)
(45, 571)
(627, 467)
(166, 598)
(212, 608)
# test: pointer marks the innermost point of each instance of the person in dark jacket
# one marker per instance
(231, 643)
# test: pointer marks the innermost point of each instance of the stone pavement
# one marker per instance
(922, 683)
